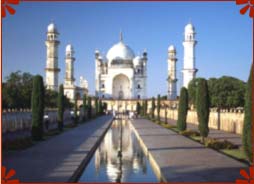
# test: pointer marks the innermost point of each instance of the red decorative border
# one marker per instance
(249, 5)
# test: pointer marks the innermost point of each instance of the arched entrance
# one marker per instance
(121, 87)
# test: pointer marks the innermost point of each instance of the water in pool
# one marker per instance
(119, 158)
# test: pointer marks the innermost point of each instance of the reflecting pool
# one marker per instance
(119, 158)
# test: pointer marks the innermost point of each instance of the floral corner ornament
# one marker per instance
(6, 6)
(6, 177)
(248, 178)
(249, 4)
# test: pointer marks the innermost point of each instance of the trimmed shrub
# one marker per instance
(153, 107)
(138, 108)
(37, 107)
(190, 133)
(216, 144)
(89, 107)
(202, 105)
(182, 110)
(158, 107)
(76, 109)
(84, 107)
(247, 127)
(60, 106)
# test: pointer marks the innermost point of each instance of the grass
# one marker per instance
(236, 153)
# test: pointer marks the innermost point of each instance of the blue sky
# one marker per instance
(224, 37)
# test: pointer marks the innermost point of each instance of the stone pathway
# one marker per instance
(213, 133)
(57, 158)
(181, 160)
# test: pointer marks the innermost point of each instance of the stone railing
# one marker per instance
(227, 120)
(14, 120)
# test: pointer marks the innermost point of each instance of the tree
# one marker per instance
(17, 90)
(138, 108)
(89, 107)
(84, 107)
(153, 107)
(182, 109)
(192, 86)
(51, 98)
(166, 113)
(76, 109)
(145, 107)
(158, 107)
(96, 106)
(247, 126)
(37, 106)
(202, 105)
(100, 107)
(60, 105)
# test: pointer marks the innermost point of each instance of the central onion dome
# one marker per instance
(189, 28)
(52, 28)
(120, 51)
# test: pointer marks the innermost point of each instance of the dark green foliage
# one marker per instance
(158, 107)
(51, 98)
(145, 107)
(166, 114)
(224, 92)
(182, 110)
(17, 90)
(60, 105)
(138, 108)
(89, 107)
(76, 109)
(192, 90)
(100, 107)
(105, 106)
(202, 105)
(37, 108)
(84, 107)
(247, 126)
(96, 106)
(153, 107)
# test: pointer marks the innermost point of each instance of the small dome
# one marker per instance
(137, 61)
(189, 28)
(171, 48)
(52, 28)
(69, 48)
(120, 51)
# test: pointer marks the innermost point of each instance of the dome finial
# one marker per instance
(121, 36)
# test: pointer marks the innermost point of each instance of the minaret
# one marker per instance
(52, 69)
(69, 61)
(189, 43)
(172, 90)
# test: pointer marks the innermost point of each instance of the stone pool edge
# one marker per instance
(154, 165)
(78, 172)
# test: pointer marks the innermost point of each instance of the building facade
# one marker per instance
(121, 74)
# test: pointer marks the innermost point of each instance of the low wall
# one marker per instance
(230, 121)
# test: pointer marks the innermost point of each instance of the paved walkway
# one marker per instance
(181, 159)
(213, 133)
(57, 158)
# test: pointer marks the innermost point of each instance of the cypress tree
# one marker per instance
(84, 107)
(182, 109)
(100, 107)
(166, 114)
(96, 106)
(37, 107)
(89, 107)
(145, 108)
(76, 109)
(60, 106)
(158, 107)
(202, 106)
(247, 126)
(153, 107)
(138, 108)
